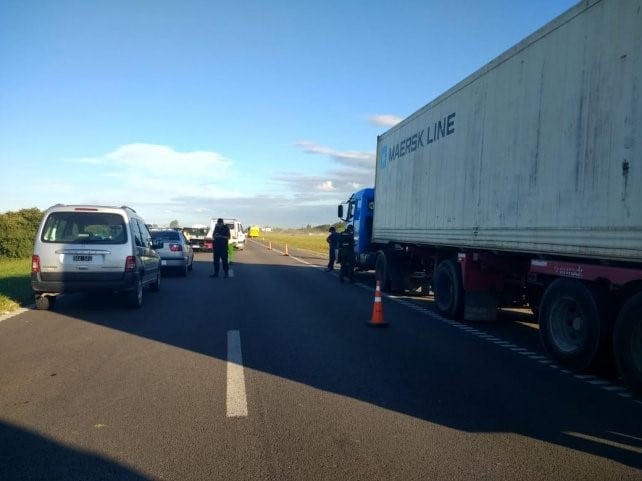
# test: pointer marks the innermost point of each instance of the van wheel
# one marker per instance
(44, 303)
(449, 289)
(134, 298)
(155, 286)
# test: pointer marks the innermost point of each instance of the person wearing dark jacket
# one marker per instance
(333, 245)
(346, 254)
(221, 238)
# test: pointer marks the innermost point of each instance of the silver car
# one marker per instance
(82, 248)
(176, 253)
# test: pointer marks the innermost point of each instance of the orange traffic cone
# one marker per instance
(377, 310)
(286, 250)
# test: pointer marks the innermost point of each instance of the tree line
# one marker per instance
(18, 231)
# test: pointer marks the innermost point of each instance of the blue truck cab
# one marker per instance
(358, 211)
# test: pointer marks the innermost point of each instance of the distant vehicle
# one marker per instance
(82, 248)
(176, 253)
(237, 234)
(195, 235)
(254, 231)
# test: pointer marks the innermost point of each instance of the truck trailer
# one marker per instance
(522, 185)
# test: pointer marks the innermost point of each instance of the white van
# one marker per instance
(82, 248)
(237, 234)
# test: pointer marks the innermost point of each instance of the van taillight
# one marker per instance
(130, 264)
(175, 247)
(35, 263)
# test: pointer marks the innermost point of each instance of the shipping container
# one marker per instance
(539, 151)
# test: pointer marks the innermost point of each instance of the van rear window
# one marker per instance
(84, 228)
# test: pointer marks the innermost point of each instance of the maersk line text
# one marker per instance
(442, 128)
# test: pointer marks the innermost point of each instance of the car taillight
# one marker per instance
(130, 264)
(35, 263)
(175, 247)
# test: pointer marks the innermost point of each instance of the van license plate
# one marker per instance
(82, 258)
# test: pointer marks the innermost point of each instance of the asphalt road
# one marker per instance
(273, 375)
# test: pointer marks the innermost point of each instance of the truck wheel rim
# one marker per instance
(568, 328)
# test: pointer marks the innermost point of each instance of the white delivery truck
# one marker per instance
(522, 183)
(237, 233)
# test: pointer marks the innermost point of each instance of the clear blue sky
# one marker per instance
(263, 110)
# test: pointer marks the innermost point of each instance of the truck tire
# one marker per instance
(627, 343)
(572, 324)
(382, 271)
(449, 289)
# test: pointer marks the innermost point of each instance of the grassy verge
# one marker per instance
(15, 284)
(314, 241)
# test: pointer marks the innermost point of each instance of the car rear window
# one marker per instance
(84, 228)
(196, 231)
(170, 235)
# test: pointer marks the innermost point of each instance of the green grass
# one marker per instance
(314, 241)
(15, 284)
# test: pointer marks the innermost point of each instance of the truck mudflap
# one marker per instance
(483, 280)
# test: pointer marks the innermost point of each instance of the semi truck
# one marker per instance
(522, 185)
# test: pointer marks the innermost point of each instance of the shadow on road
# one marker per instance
(421, 367)
(28, 455)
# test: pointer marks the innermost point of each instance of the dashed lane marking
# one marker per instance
(236, 401)
(621, 391)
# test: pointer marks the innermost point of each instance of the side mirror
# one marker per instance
(340, 211)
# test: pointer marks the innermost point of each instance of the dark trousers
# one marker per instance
(333, 258)
(346, 258)
(220, 255)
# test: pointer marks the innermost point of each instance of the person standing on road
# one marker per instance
(333, 245)
(221, 239)
(346, 254)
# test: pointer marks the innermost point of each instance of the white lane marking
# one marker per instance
(8, 315)
(236, 398)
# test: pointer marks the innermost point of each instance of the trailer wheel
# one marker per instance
(382, 271)
(627, 343)
(449, 289)
(572, 324)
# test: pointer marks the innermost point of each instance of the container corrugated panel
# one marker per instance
(539, 151)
